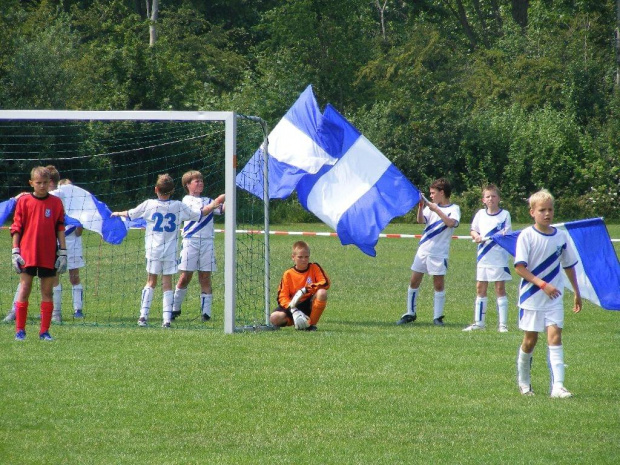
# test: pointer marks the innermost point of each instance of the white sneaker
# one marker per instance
(474, 327)
(526, 390)
(561, 393)
(503, 329)
(10, 316)
(56, 318)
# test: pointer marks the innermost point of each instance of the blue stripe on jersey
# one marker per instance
(70, 230)
(429, 233)
(533, 288)
(484, 249)
(201, 224)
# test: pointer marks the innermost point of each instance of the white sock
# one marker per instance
(438, 304)
(78, 295)
(205, 303)
(145, 301)
(556, 365)
(480, 310)
(19, 288)
(524, 368)
(179, 296)
(502, 310)
(412, 300)
(167, 312)
(57, 299)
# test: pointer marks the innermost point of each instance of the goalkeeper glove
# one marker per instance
(61, 261)
(17, 260)
(298, 295)
(300, 318)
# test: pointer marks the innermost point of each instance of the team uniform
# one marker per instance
(432, 258)
(163, 219)
(197, 250)
(37, 220)
(543, 255)
(312, 279)
(492, 263)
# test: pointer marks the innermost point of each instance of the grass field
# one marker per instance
(361, 390)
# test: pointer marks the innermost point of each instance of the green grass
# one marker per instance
(359, 390)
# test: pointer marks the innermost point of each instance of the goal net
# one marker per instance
(117, 157)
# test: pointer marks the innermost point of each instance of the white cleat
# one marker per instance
(560, 393)
(503, 329)
(526, 390)
(10, 316)
(474, 327)
(56, 317)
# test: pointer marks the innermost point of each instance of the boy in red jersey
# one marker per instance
(302, 294)
(38, 226)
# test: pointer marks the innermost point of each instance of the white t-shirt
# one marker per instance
(437, 236)
(163, 219)
(202, 228)
(543, 254)
(490, 254)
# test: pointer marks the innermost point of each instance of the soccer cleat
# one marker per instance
(312, 328)
(142, 321)
(439, 321)
(45, 336)
(165, 324)
(407, 318)
(526, 390)
(56, 317)
(10, 316)
(205, 317)
(561, 393)
(175, 313)
(20, 335)
(503, 329)
(474, 327)
(78, 314)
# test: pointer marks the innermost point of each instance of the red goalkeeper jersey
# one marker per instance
(313, 279)
(37, 220)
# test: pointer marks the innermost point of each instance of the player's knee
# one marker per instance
(321, 294)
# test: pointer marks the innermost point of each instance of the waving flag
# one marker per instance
(598, 270)
(340, 176)
(6, 209)
(93, 214)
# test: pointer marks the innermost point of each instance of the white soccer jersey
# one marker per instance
(490, 254)
(163, 219)
(73, 242)
(202, 228)
(437, 236)
(543, 254)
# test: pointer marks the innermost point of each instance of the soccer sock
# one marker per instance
(167, 312)
(21, 313)
(78, 295)
(57, 299)
(502, 310)
(524, 368)
(19, 287)
(318, 306)
(556, 365)
(438, 304)
(145, 302)
(206, 301)
(179, 296)
(46, 316)
(480, 310)
(412, 298)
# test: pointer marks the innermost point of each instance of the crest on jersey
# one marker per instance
(48, 213)
(308, 281)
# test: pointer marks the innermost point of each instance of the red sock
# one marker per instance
(46, 316)
(21, 313)
(317, 310)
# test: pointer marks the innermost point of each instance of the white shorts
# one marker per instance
(197, 255)
(164, 267)
(538, 320)
(430, 264)
(75, 261)
(493, 274)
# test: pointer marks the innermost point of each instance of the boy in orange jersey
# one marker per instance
(302, 294)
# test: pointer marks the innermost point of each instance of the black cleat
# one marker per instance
(407, 318)
(439, 321)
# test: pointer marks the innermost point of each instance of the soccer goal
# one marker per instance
(117, 156)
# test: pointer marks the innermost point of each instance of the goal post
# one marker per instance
(233, 151)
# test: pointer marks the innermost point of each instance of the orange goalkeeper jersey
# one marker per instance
(313, 279)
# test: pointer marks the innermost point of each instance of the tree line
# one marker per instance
(522, 94)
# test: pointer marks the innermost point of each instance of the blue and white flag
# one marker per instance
(340, 176)
(6, 209)
(93, 214)
(598, 270)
